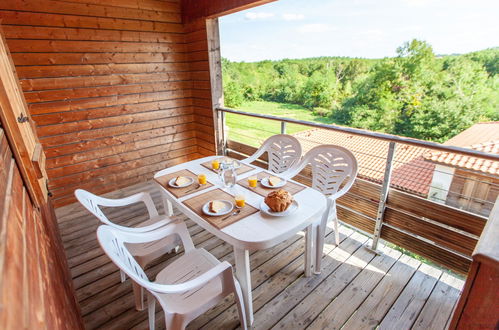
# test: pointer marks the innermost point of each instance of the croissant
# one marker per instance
(279, 200)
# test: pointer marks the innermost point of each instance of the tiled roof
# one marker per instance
(482, 137)
(476, 134)
(410, 171)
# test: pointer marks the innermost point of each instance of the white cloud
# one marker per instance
(315, 28)
(258, 15)
(293, 17)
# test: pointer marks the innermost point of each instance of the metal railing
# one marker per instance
(384, 174)
(376, 135)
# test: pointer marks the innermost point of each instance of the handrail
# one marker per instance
(382, 136)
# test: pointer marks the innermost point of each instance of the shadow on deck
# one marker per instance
(355, 290)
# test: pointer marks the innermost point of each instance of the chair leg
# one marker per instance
(169, 208)
(336, 231)
(174, 321)
(138, 293)
(320, 232)
(238, 296)
(151, 310)
(309, 250)
(123, 276)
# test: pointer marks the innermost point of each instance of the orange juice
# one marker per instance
(215, 164)
(240, 200)
(252, 181)
(202, 178)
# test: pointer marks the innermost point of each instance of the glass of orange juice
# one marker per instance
(215, 164)
(202, 178)
(240, 200)
(252, 181)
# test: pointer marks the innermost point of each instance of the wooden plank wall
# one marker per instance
(35, 288)
(197, 46)
(438, 232)
(118, 89)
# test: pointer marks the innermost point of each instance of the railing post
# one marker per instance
(223, 133)
(384, 195)
(283, 127)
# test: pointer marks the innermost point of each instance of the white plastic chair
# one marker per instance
(334, 170)
(143, 253)
(186, 288)
(283, 151)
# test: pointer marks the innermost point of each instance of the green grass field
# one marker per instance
(253, 131)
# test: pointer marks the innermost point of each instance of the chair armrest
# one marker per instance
(158, 224)
(140, 197)
(293, 170)
(255, 156)
(204, 278)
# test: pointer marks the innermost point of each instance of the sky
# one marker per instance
(357, 28)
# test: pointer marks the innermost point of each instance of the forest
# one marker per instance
(417, 93)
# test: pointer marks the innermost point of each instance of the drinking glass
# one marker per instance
(252, 181)
(240, 200)
(202, 178)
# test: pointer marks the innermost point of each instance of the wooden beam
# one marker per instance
(195, 9)
(19, 127)
(217, 97)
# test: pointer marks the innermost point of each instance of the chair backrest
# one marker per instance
(334, 169)
(93, 202)
(112, 242)
(283, 152)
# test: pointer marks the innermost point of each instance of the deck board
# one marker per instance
(356, 289)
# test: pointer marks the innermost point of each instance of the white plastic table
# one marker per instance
(257, 231)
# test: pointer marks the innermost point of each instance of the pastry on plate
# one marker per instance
(279, 200)
(181, 180)
(274, 181)
(216, 206)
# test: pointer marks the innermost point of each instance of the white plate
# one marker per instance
(228, 207)
(265, 183)
(172, 184)
(291, 209)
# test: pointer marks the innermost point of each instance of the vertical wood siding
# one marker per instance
(118, 89)
(197, 47)
(35, 290)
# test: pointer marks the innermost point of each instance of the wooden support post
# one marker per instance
(217, 98)
(283, 127)
(384, 195)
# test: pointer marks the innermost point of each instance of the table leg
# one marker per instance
(244, 277)
(309, 250)
(167, 205)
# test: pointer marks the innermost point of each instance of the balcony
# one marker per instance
(357, 288)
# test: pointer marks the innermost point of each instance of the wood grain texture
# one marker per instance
(195, 9)
(111, 87)
(356, 287)
(35, 287)
(478, 306)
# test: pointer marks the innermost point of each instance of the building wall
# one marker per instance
(35, 285)
(473, 192)
(118, 89)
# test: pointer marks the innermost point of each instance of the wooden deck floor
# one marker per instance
(356, 289)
